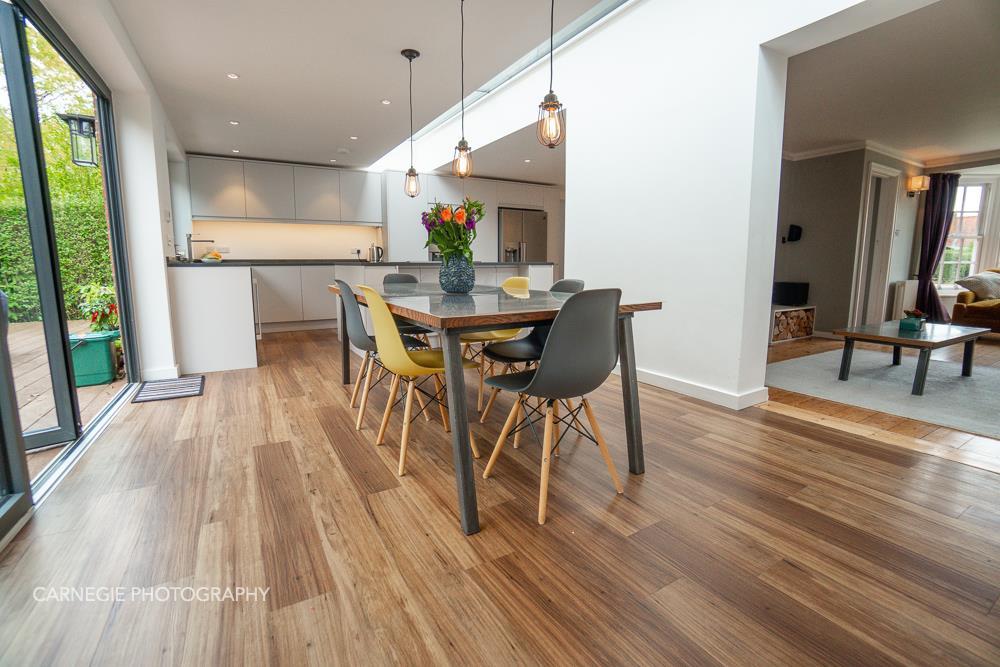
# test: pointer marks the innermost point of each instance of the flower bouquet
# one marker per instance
(453, 229)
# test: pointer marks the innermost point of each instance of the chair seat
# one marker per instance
(409, 342)
(411, 329)
(515, 382)
(432, 361)
(489, 336)
(514, 351)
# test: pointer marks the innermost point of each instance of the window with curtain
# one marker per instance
(965, 237)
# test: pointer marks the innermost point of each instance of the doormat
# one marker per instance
(162, 390)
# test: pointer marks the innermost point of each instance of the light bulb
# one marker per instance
(551, 121)
(461, 166)
(411, 186)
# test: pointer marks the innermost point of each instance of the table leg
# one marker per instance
(630, 396)
(921, 377)
(970, 350)
(845, 361)
(345, 346)
(459, 420)
(897, 355)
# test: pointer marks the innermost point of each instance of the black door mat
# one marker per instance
(162, 390)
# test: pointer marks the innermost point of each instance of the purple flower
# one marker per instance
(425, 220)
(470, 222)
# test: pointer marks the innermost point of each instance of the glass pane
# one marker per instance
(959, 196)
(26, 340)
(949, 273)
(973, 198)
(965, 224)
(70, 134)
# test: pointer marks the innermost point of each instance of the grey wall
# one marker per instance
(822, 195)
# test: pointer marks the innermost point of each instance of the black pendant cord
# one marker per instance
(411, 112)
(462, 60)
(552, 29)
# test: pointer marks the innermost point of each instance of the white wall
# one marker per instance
(180, 201)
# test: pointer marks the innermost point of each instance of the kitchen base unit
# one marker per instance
(213, 318)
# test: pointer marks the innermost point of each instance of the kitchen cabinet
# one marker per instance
(317, 194)
(505, 272)
(403, 233)
(318, 302)
(360, 196)
(429, 274)
(270, 190)
(217, 187)
(486, 276)
(521, 195)
(484, 248)
(445, 189)
(279, 293)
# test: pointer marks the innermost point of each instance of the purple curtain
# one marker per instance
(938, 213)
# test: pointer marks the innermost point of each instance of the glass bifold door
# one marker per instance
(58, 267)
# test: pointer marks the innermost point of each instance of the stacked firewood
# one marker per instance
(790, 324)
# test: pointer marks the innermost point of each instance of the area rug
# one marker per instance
(969, 404)
(163, 390)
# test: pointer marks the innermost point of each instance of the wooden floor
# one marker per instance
(753, 538)
(970, 448)
(33, 384)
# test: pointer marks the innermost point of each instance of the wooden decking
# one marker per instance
(753, 538)
(34, 388)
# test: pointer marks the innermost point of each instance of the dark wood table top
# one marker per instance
(932, 335)
(428, 304)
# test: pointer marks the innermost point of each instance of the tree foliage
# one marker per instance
(76, 193)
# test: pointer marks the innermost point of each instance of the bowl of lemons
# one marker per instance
(213, 257)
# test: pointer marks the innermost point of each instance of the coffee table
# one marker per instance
(931, 337)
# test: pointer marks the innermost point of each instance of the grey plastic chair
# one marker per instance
(405, 279)
(524, 350)
(579, 354)
(359, 338)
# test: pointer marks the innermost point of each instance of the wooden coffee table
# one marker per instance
(931, 337)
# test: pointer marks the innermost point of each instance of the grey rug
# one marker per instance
(969, 404)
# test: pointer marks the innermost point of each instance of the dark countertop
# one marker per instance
(333, 262)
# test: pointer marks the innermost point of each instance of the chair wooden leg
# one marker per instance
(556, 430)
(603, 446)
(507, 426)
(494, 392)
(393, 389)
(407, 413)
(423, 405)
(521, 406)
(543, 490)
(472, 444)
(364, 394)
(441, 409)
(357, 382)
(569, 406)
(482, 380)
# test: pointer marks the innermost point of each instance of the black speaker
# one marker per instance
(790, 294)
(794, 233)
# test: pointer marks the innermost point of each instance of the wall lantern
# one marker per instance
(915, 184)
(82, 138)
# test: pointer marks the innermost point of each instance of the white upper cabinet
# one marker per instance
(217, 188)
(520, 194)
(484, 248)
(317, 194)
(445, 189)
(360, 196)
(270, 190)
(404, 235)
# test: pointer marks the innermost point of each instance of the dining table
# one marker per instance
(483, 309)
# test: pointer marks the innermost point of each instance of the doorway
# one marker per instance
(870, 303)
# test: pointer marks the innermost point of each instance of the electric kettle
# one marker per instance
(375, 253)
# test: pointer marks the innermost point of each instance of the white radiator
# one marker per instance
(903, 297)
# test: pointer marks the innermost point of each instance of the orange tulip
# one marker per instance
(446, 214)
(460, 216)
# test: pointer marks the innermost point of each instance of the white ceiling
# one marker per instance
(926, 83)
(314, 72)
(505, 159)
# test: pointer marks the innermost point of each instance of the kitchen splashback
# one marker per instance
(275, 240)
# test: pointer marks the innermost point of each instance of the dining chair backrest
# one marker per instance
(391, 351)
(515, 282)
(564, 286)
(582, 348)
(399, 279)
(356, 331)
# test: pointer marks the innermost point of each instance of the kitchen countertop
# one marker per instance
(332, 262)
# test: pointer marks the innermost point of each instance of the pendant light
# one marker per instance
(411, 186)
(461, 165)
(551, 115)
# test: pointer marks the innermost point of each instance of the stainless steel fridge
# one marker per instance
(523, 235)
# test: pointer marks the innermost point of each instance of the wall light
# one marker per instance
(915, 184)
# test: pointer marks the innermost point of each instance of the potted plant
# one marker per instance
(94, 353)
(914, 320)
(452, 230)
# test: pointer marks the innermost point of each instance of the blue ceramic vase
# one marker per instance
(457, 275)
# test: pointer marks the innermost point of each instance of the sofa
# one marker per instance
(973, 313)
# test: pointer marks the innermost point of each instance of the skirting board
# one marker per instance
(164, 373)
(277, 327)
(694, 390)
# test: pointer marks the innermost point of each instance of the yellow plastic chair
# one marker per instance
(515, 285)
(406, 366)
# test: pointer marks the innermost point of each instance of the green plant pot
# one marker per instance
(94, 357)
(911, 323)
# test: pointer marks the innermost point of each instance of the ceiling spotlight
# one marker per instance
(236, 150)
(234, 122)
(527, 160)
(353, 138)
(332, 160)
(233, 75)
(386, 101)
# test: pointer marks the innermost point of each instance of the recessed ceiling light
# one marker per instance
(527, 160)
(386, 101)
(233, 75)
(353, 138)
(234, 122)
(332, 160)
(236, 150)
